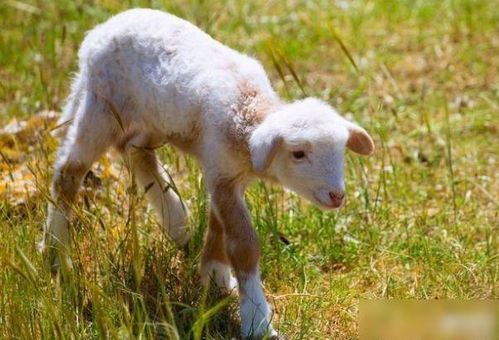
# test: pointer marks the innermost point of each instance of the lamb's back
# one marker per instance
(166, 69)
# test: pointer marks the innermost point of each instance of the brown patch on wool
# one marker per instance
(252, 106)
(214, 246)
(249, 110)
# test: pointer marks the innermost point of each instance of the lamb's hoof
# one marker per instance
(256, 317)
(273, 335)
(264, 333)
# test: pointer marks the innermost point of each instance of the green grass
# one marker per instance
(421, 216)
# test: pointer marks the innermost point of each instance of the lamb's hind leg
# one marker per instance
(167, 203)
(86, 140)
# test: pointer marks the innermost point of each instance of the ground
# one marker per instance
(421, 215)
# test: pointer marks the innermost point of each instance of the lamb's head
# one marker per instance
(302, 145)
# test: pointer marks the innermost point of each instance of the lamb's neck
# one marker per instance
(249, 112)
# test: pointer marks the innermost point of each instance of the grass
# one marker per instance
(422, 214)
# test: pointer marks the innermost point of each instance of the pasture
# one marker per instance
(421, 214)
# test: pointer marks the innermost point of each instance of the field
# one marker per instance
(421, 216)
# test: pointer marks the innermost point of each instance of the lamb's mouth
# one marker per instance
(321, 203)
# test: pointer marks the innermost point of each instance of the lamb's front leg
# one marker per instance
(243, 250)
(215, 264)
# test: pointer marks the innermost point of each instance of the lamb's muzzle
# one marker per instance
(147, 78)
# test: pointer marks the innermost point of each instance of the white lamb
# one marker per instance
(148, 78)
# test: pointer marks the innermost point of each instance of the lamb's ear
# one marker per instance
(359, 140)
(263, 147)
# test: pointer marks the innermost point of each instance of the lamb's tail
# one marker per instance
(70, 108)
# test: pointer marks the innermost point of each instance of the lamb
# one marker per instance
(147, 78)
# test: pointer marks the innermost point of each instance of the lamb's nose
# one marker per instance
(336, 198)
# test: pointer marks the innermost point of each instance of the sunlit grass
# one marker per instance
(421, 215)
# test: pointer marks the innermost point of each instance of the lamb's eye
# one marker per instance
(298, 154)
